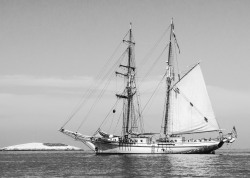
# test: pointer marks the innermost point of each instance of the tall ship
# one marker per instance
(187, 111)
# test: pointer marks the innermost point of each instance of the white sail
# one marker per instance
(191, 110)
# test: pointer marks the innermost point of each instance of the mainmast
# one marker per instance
(169, 80)
(128, 92)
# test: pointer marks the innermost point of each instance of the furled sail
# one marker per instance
(191, 110)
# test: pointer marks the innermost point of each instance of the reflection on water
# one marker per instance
(66, 164)
(172, 165)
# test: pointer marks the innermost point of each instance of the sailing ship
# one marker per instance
(187, 110)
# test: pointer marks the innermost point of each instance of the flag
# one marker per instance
(175, 39)
(234, 132)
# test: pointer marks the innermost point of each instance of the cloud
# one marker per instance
(38, 109)
(26, 84)
(32, 81)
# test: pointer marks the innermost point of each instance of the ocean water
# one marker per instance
(225, 163)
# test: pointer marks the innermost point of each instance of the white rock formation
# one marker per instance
(39, 147)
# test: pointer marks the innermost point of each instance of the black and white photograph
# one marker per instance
(115, 88)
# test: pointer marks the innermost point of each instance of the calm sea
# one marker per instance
(225, 163)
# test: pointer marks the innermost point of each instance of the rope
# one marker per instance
(138, 100)
(145, 59)
(155, 62)
(154, 92)
(117, 122)
(89, 92)
(109, 113)
(103, 90)
(93, 105)
(177, 64)
(111, 122)
(192, 104)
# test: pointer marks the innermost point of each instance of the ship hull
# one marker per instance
(157, 148)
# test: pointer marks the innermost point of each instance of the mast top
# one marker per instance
(130, 27)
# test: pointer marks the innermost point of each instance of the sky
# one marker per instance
(52, 51)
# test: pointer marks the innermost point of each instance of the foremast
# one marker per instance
(169, 81)
(130, 89)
